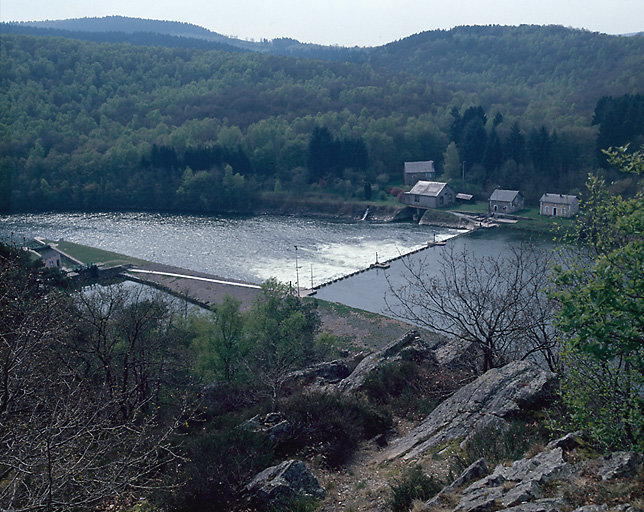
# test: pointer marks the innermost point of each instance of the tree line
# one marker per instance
(115, 126)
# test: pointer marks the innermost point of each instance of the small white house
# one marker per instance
(558, 205)
(429, 194)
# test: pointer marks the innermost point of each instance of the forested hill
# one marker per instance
(174, 34)
(550, 71)
(113, 125)
(537, 63)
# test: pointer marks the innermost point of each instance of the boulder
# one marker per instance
(273, 424)
(515, 485)
(321, 374)
(459, 354)
(278, 485)
(620, 465)
(475, 471)
(498, 394)
(409, 346)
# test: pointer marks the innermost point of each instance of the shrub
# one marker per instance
(413, 484)
(410, 388)
(331, 425)
(217, 465)
(498, 443)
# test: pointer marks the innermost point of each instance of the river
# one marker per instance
(256, 248)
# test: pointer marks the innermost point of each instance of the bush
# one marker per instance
(414, 484)
(601, 399)
(410, 388)
(498, 443)
(218, 465)
(331, 425)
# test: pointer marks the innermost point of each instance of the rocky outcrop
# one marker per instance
(409, 346)
(498, 394)
(461, 355)
(321, 374)
(515, 485)
(541, 483)
(273, 424)
(619, 465)
(475, 471)
(278, 485)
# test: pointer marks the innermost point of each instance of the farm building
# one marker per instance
(506, 201)
(417, 171)
(558, 205)
(429, 194)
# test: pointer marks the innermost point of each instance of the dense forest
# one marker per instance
(112, 125)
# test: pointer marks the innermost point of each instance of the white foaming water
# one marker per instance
(247, 248)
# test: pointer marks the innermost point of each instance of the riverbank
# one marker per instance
(330, 207)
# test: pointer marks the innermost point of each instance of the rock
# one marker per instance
(568, 442)
(273, 424)
(499, 393)
(514, 485)
(543, 505)
(410, 346)
(458, 354)
(620, 465)
(592, 508)
(473, 472)
(328, 372)
(277, 485)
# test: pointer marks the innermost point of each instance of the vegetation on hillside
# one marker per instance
(601, 297)
(100, 126)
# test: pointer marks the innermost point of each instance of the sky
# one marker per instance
(344, 22)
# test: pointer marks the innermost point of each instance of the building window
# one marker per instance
(416, 199)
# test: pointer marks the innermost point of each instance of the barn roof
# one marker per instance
(505, 196)
(424, 166)
(558, 199)
(428, 188)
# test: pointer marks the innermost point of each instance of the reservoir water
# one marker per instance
(256, 248)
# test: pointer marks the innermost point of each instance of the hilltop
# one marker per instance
(164, 115)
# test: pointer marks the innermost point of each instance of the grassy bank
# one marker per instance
(528, 219)
(91, 255)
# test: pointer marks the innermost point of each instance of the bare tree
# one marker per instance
(65, 441)
(497, 303)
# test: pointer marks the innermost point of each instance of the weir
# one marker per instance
(387, 262)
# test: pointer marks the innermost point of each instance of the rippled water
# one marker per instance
(248, 248)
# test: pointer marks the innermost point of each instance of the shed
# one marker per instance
(506, 201)
(558, 205)
(417, 171)
(429, 194)
(50, 257)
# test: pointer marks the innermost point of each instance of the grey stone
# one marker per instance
(543, 505)
(273, 424)
(409, 346)
(498, 394)
(475, 470)
(458, 354)
(619, 465)
(567, 442)
(327, 372)
(515, 485)
(277, 485)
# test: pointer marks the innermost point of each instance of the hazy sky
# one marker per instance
(344, 22)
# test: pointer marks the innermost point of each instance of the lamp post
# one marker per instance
(297, 272)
